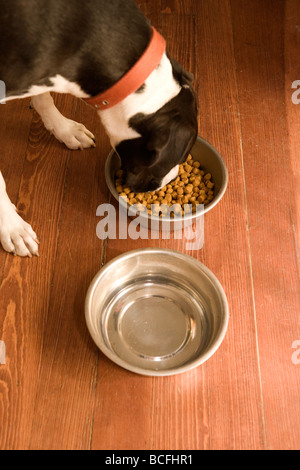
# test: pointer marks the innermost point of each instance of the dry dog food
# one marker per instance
(191, 187)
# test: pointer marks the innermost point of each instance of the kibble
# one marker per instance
(192, 186)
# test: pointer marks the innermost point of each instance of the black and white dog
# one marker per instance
(84, 47)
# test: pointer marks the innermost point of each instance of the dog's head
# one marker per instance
(152, 160)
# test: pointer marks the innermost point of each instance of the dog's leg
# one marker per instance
(16, 236)
(71, 133)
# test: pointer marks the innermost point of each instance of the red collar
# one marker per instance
(134, 79)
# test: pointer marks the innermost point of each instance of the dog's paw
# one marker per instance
(74, 135)
(16, 235)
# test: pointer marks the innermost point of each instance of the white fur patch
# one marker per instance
(16, 236)
(60, 85)
(170, 176)
(161, 87)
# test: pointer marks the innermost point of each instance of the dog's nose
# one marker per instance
(153, 185)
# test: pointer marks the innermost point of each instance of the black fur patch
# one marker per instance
(141, 89)
(90, 42)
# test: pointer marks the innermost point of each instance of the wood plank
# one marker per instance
(292, 75)
(233, 383)
(188, 7)
(261, 83)
(25, 288)
(57, 391)
(65, 389)
(152, 11)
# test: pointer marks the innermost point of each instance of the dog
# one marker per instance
(88, 48)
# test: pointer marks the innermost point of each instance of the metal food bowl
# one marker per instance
(156, 312)
(211, 162)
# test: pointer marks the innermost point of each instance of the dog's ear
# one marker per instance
(172, 141)
(158, 138)
(181, 76)
(155, 132)
(174, 125)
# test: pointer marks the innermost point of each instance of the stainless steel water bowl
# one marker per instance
(156, 312)
(211, 162)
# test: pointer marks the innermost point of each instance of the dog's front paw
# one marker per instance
(74, 135)
(16, 235)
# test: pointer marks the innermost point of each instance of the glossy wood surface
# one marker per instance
(57, 391)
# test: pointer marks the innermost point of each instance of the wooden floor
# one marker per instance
(57, 391)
